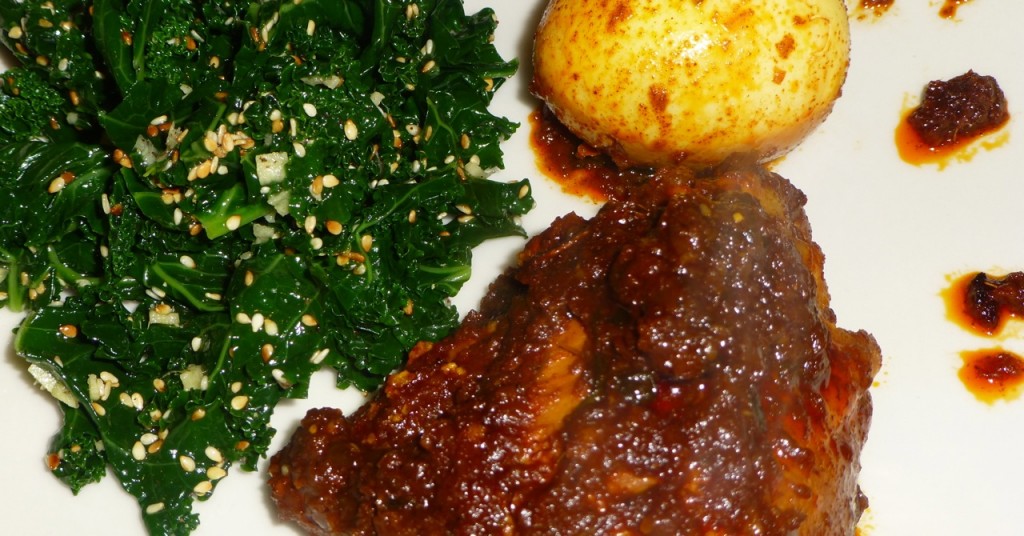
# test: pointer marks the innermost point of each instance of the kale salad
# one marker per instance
(206, 202)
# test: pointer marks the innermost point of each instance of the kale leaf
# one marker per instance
(209, 201)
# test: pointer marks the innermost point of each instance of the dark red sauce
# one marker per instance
(952, 116)
(983, 303)
(579, 169)
(992, 374)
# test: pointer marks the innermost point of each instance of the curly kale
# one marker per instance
(211, 200)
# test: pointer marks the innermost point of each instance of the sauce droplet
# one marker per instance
(992, 374)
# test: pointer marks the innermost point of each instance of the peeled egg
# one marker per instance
(668, 82)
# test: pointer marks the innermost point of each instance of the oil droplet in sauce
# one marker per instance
(992, 374)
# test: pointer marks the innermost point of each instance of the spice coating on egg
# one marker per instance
(664, 82)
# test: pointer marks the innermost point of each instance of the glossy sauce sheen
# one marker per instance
(578, 168)
(951, 117)
(671, 366)
(949, 7)
(992, 374)
(983, 304)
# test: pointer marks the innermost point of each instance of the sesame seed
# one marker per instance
(178, 216)
(56, 185)
(213, 454)
(366, 242)
(279, 377)
(257, 322)
(99, 409)
(412, 11)
(309, 109)
(110, 378)
(275, 115)
(319, 356)
(203, 169)
(198, 414)
(125, 399)
(148, 438)
(137, 401)
(310, 223)
(216, 473)
(234, 222)
(155, 508)
(239, 402)
(187, 463)
(449, 159)
(310, 27)
(464, 208)
(138, 451)
(15, 32)
(330, 181)
(270, 327)
(412, 216)
(316, 188)
(158, 120)
(197, 344)
(243, 318)
(187, 262)
(309, 320)
(316, 243)
(236, 387)
(159, 385)
(351, 130)
(68, 330)
(266, 352)
(334, 227)
(428, 66)
(300, 149)
(203, 487)
(524, 191)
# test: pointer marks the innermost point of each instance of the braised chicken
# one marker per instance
(671, 366)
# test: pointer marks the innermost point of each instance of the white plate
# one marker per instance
(937, 462)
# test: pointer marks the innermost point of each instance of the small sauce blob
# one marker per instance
(953, 115)
(873, 7)
(983, 303)
(992, 374)
(949, 7)
(578, 168)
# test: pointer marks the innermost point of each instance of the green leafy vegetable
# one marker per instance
(208, 201)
